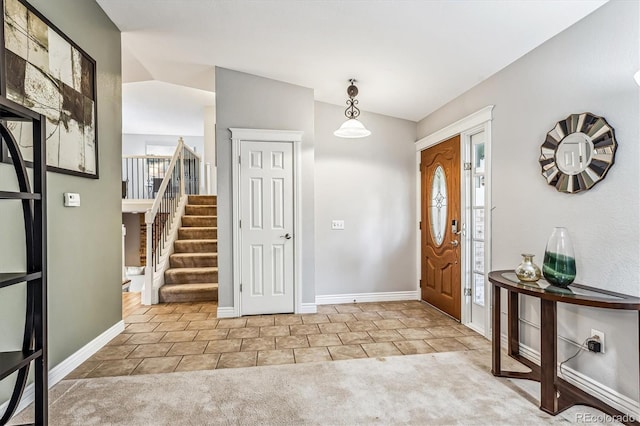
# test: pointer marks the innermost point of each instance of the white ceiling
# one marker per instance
(410, 57)
(159, 108)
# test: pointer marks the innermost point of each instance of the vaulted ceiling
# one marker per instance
(410, 57)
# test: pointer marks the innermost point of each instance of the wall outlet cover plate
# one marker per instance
(337, 224)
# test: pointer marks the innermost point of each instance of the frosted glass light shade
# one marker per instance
(352, 128)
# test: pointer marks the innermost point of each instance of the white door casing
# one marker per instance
(479, 121)
(266, 215)
(477, 241)
(293, 138)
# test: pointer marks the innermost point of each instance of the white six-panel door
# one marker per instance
(266, 214)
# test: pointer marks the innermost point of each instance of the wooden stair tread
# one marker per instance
(199, 221)
(191, 275)
(199, 292)
(187, 287)
(193, 260)
(195, 228)
(199, 210)
(205, 254)
(197, 232)
(203, 199)
(202, 269)
(195, 245)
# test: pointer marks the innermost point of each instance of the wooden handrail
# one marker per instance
(160, 216)
(188, 148)
(151, 214)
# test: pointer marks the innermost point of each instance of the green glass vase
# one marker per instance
(559, 265)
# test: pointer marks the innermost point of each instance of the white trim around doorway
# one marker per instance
(465, 127)
(464, 124)
(262, 135)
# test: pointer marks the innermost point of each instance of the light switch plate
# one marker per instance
(337, 224)
(71, 199)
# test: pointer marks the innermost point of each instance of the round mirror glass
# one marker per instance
(574, 152)
(578, 152)
(438, 203)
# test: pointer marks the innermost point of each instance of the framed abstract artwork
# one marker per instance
(47, 72)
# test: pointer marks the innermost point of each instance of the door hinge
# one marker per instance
(240, 288)
(239, 160)
(420, 167)
(467, 292)
(240, 224)
(467, 166)
(420, 225)
(420, 284)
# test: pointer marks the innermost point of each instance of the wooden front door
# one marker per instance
(440, 207)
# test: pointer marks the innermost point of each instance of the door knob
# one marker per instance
(286, 236)
(455, 243)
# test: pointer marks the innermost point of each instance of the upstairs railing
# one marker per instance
(191, 164)
(142, 175)
(181, 178)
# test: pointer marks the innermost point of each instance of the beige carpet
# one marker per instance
(440, 388)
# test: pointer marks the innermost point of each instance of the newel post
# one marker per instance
(147, 291)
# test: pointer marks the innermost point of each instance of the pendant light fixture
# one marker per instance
(352, 128)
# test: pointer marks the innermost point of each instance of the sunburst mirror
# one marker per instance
(578, 152)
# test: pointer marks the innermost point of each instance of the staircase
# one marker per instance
(193, 267)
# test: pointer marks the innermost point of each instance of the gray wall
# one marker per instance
(134, 144)
(84, 243)
(248, 101)
(589, 67)
(370, 184)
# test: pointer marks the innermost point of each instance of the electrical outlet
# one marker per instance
(600, 335)
(337, 224)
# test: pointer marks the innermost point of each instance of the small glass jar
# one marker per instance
(559, 265)
(528, 271)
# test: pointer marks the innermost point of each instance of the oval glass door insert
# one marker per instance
(439, 200)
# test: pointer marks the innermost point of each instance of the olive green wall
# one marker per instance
(84, 243)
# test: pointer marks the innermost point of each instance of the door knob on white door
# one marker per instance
(286, 236)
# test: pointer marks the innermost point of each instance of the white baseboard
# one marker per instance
(604, 393)
(227, 312)
(478, 330)
(390, 296)
(308, 308)
(61, 370)
(231, 312)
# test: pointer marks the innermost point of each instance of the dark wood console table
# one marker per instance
(556, 394)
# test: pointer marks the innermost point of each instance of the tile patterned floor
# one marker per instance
(188, 336)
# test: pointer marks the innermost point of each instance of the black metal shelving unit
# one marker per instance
(33, 200)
